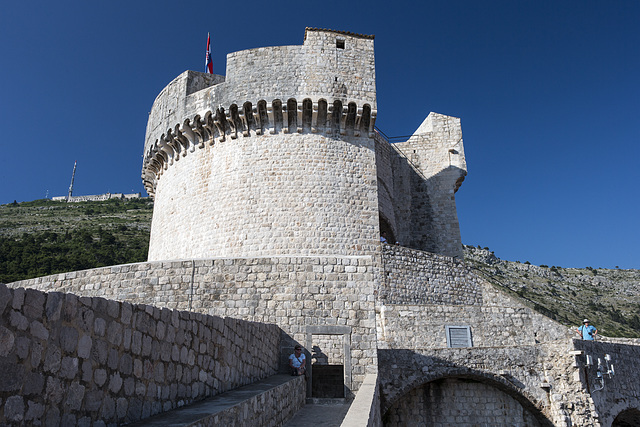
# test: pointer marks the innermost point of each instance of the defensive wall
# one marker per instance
(454, 349)
(517, 367)
(272, 187)
(315, 300)
(69, 360)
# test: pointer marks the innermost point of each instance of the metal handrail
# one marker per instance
(387, 139)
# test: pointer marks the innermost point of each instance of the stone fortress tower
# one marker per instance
(281, 157)
(272, 186)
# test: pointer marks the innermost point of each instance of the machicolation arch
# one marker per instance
(290, 117)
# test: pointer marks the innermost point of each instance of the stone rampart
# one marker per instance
(417, 181)
(73, 360)
(422, 293)
(611, 394)
(323, 295)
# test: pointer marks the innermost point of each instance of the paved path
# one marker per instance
(319, 415)
(203, 408)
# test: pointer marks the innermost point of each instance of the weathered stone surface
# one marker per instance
(33, 383)
(12, 376)
(34, 411)
(18, 321)
(14, 409)
(7, 339)
(53, 307)
(69, 339)
(75, 395)
(115, 383)
(84, 346)
(52, 359)
(69, 367)
(33, 304)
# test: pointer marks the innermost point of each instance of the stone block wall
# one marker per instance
(73, 360)
(421, 293)
(268, 195)
(614, 394)
(296, 293)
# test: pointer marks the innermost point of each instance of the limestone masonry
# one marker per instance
(272, 188)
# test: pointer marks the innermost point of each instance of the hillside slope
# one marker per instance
(609, 298)
(44, 237)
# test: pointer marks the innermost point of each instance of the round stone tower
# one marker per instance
(277, 158)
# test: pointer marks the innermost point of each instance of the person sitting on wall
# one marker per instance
(587, 331)
(383, 237)
(297, 361)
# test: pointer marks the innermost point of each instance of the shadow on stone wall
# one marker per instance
(402, 371)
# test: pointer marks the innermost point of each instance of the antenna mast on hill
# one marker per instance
(73, 175)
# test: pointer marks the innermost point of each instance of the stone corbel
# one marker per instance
(220, 122)
(314, 118)
(343, 120)
(233, 130)
(167, 150)
(210, 127)
(372, 123)
(244, 121)
(171, 142)
(356, 127)
(199, 131)
(188, 133)
(272, 120)
(182, 140)
(285, 119)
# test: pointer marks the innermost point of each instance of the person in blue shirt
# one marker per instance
(587, 331)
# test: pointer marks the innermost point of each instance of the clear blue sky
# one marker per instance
(548, 93)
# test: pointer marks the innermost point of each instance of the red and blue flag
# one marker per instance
(208, 63)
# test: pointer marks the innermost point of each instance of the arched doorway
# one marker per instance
(628, 418)
(460, 401)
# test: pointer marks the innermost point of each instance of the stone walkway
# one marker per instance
(327, 413)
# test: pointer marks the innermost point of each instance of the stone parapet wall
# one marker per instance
(614, 393)
(417, 277)
(66, 359)
(272, 408)
(296, 293)
(422, 293)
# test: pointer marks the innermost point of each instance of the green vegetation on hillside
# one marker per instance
(44, 237)
(609, 298)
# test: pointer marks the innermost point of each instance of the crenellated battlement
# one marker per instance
(329, 117)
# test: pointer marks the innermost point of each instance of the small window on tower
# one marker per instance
(339, 43)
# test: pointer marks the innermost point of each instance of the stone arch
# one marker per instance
(336, 116)
(627, 418)
(263, 117)
(365, 122)
(277, 115)
(247, 109)
(321, 121)
(528, 403)
(307, 114)
(350, 122)
(292, 115)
